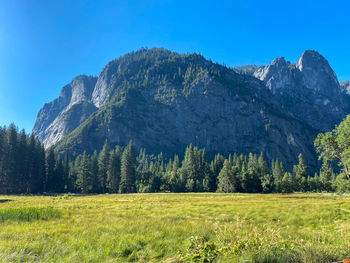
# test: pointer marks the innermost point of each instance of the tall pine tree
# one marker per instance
(128, 170)
(103, 164)
(114, 170)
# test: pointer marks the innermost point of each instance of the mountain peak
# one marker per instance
(311, 59)
(78, 89)
(279, 61)
(318, 74)
(276, 75)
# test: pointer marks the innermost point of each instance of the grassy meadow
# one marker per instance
(175, 228)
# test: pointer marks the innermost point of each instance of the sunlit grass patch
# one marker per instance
(28, 213)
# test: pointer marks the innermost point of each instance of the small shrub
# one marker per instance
(199, 250)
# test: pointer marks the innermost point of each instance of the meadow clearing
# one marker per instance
(170, 227)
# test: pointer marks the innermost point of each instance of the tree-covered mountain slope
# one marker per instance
(164, 101)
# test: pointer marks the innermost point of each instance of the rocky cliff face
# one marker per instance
(345, 87)
(65, 113)
(308, 90)
(164, 101)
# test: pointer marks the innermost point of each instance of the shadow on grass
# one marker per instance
(5, 200)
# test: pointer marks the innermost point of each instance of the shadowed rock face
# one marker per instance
(164, 101)
(318, 75)
(278, 76)
(308, 90)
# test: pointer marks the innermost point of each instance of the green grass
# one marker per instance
(28, 213)
(175, 228)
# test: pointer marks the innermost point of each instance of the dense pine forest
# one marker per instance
(26, 167)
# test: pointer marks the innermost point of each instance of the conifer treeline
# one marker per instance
(22, 162)
(25, 167)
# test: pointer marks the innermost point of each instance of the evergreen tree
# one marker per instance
(189, 169)
(215, 168)
(262, 166)
(196, 170)
(227, 178)
(33, 181)
(22, 163)
(39, 178)
(65, 164)
(300, 174)
(128, 170)
(278, 172)
(267, 183)
(103, 164)
(3, 162)
(327, 176)
(245, 178)
(287, 184)
(250, 179)
(11, 162)
(59, 176)
(314, 183)
(94, 172)
(50, 171)
(114, 170)
(84, 181)
(73, 173)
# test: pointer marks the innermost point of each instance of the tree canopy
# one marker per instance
(335, 145)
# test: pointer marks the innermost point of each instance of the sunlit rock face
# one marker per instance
(345, 87)
(65, 113)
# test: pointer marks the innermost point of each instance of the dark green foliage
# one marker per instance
(114, 170)
(12, 158)
(50, 170)
(94, 172)
(301, 175)
(227, 179)
(342, 183)
(314, 183)
(195, 169)
(84, 176)
(22, 163)
(267, 183)
(262, 166)
(288, 183)
(26, 167)
(278, 172)
(215, 168)
(54, 173)
(251, 182)
(103, 165)
(327, 176)
(200, 250)
(128, 170)
(335, 145)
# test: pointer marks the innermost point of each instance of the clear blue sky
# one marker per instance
(45, 44)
